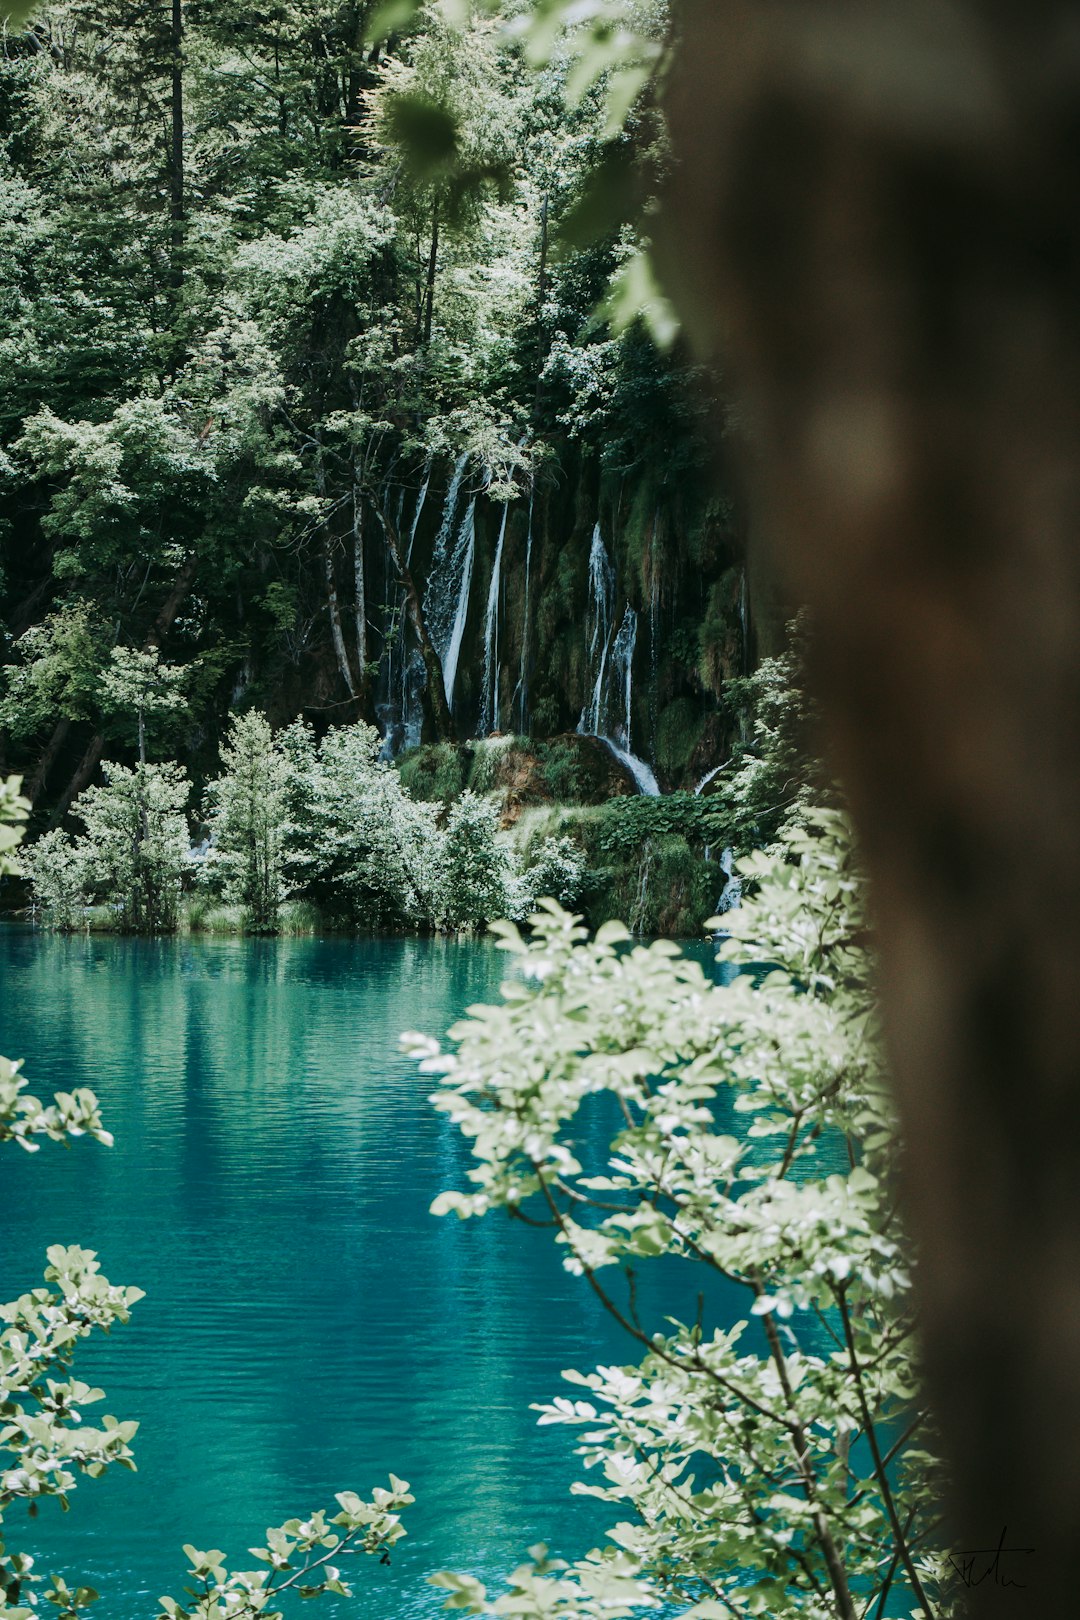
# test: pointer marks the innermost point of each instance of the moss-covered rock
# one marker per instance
(679, 727)
(435, 772)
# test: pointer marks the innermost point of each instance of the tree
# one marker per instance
(248, 819)
(779, 1466)
(139, 684)
(902, 335)
(372, 855)
(477, 868)
(134, 847)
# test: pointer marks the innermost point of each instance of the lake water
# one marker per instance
(308, 1326)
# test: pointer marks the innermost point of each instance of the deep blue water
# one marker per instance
(308, 1326)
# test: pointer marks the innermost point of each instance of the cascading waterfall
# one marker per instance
(654, 640)
(420, 499)
(446, 600)
(489, 710)
(399, 706)
(597, 627)
(521, 692)
(608, 714)
(731, 894)
(744, 622)
(617, 727)
(707, 778)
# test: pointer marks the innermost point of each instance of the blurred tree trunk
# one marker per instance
(873, 223)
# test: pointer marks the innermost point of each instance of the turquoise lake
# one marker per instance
(308, 1326)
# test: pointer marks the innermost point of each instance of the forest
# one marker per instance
(490, 489)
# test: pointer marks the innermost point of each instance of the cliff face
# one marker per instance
(617, 606)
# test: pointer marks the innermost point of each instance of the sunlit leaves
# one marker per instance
(736, 1455)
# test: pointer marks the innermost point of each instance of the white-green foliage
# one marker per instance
(139, 684)
(57, 870)
(556, 872)
(131, 855)
(766, 1467)
(247, 817)
(14, 810)
(357, 842)
(46, 1444)
(58, 674)
(775, 777)
(478, 870)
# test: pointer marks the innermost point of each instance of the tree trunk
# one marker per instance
(432, 265)
(360, 597)
(440, 709)
(333, 606)
(873, 223)
(36, 785)
(176, 151)
(80, 780)
(161, 626)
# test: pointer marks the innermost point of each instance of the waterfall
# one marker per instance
(622, 668)
(639, 770)
(521, 693)
(731, 895)
(402, 678)
(597, 628)
(446, 599)
(460, 569)
(707, 778)
(420, 499)
(446, 527)
(613, 660)
(654, 639)
(489, 710)
(744, 621)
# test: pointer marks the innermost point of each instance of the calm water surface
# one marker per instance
(308, 1326)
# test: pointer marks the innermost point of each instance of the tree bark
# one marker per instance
(440, 709)
(873, 222)
(359, 587)
(176, 149)
(333, 606)
(36, 785)
(432, 266)
(160, 628)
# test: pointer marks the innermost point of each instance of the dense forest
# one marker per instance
(314, 381)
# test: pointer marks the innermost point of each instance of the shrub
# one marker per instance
(477, 866)
(435, 772)
(57, 872)
(774, 1464)
(131, 855)
(248, 820)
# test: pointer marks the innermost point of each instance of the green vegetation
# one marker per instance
(779, 1467)
(327, 826)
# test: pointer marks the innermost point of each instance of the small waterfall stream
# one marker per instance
(608, 712)
(489, 709)
(598, 627)
(402, 678)
(521, 691)
(446, 599)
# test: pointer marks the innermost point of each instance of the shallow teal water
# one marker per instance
(308, 1326)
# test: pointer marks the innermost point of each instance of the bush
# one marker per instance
(556, 872)
(248, 821)
(478, 874)
(366, 852)
(57, 873)
(774, 1465)
(130, 857)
